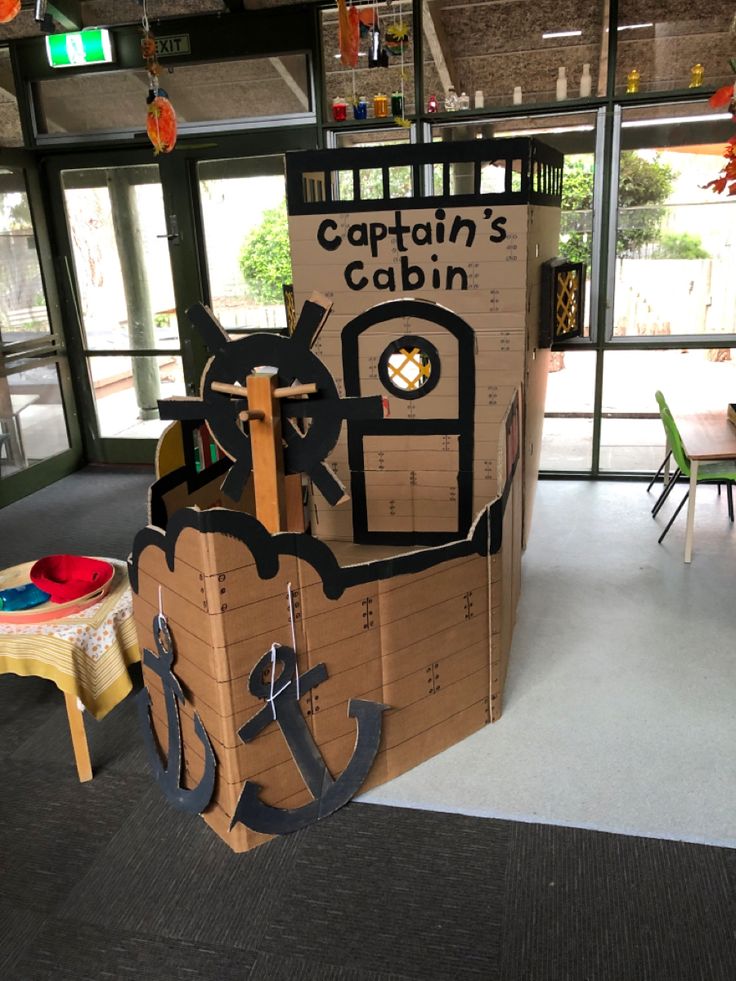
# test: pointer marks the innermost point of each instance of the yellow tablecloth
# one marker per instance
(85, 654)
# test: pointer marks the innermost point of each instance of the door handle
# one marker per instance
(172, 230)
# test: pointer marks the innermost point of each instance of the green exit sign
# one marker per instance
(92, 47)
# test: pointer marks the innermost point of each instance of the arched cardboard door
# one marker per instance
(411, 473)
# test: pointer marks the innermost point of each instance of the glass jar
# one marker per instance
(397, 104)
(360, 108)
(380, 106)
(339, 110)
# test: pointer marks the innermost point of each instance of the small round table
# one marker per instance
(86, 654)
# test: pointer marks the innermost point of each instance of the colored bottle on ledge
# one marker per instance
(586, 82)
(696, 76)
(632, 81)
(561, 85)
(432, 105)
(360, 108)
(339, 110)
(380, 106)
(397, 104)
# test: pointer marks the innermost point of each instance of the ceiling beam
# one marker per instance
(292, 83)
(603, 57)
(438, 44)
(67, 14)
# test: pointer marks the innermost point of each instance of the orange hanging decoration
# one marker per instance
(349, 33)
(161, 123)
(9, 10)
(161, 118)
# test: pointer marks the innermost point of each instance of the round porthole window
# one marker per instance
(409, 367)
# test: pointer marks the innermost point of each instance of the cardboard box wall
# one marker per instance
(432, 645)
(440, 665)
(501, 306)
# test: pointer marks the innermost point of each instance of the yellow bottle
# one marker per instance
(380, 106)
(632, 81)
(696, 76)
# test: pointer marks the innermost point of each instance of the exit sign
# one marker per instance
(91, 47)
(172, 44)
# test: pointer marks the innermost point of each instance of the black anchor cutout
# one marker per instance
(169, 777)
(282, 696)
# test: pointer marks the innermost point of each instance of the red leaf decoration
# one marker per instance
(161, 125)
(9, 10)
(721, 98)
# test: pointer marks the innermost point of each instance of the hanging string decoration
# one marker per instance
(161, 117)
(368, 20)
(397, 38)
(349, 32)
(9, 10)
(725, 98)
(397, 34)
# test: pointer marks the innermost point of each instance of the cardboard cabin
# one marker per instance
(415, 458)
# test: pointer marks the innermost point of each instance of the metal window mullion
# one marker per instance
(610, 284)
(144, 352)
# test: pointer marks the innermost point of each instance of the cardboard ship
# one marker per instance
(337, 522)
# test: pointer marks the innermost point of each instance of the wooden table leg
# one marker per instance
(691, 511)
(79, 738)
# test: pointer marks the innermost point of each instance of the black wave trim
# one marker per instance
(484, 539)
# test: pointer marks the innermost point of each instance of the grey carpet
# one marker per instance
(96, 511)
(105, 881)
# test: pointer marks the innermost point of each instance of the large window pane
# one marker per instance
(10, 130)
(116, 384)
(675, 242)
(567, 439)
(229, 90)
(496, 47)
(691, 381)
(663, 41)
(118, 228)
(574, 135)
(32, 421)
(393, 75)
(23, 314)
(247, 241)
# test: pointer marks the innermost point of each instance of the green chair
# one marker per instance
(721, 471)
(668, 456)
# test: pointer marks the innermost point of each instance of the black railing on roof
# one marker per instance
(318, 181)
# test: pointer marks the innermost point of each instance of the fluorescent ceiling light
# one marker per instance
(633, 27)
(543, 132)
(710, 118)
(551, 34)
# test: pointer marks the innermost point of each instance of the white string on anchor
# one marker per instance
(161, 615)
(290, 595)
(274, 694)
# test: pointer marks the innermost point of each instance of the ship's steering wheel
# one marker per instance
(307, 446)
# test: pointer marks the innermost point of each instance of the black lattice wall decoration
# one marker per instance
(562, 310)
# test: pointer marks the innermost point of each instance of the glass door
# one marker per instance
(39, 437)
(115, 235)
(246, 240)
(673, 317)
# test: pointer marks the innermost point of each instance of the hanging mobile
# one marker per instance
(161, 117)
